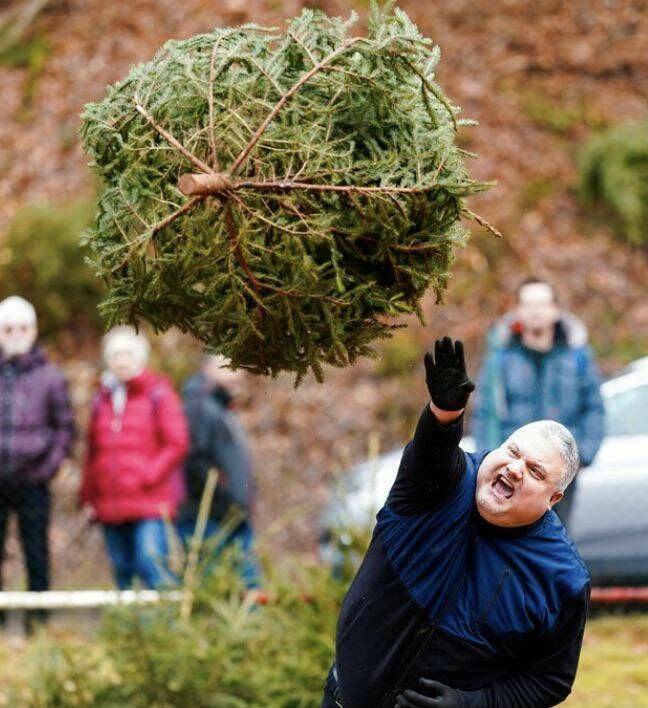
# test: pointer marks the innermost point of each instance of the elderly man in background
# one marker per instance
(471, 594)
(538, 366)
(36, 434)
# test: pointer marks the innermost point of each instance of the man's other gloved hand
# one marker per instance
(432, 694)
(446, 376)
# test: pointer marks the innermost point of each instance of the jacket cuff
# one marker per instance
(449, 428)
(473, 699)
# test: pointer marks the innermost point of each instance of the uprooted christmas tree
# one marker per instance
(280, 195)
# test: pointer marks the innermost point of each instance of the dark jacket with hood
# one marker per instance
(36, 419)
(495, 613)
(217, 441)
(518, 386)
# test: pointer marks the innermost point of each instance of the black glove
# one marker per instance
(446, 376)
(432, 695)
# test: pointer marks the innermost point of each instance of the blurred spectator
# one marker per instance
(538, 366)
(36, 433)
(218, 441)
(137, 440)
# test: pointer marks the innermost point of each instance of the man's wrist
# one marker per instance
(445, 417)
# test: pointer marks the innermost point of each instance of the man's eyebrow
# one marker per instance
(538, 464)
(532, 461)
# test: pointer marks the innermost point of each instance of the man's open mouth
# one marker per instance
(503, 487)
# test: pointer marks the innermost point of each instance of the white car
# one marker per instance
(610, 514)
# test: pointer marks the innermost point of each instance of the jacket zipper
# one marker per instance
(7, 420)
(496, 594)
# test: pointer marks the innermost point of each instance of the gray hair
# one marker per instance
(16, 309)
(558, 434)
(125, 338)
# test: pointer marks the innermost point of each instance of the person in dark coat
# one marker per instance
(471, 594)
(218, 442)
(538, 365)
(132, 477)
(36, 435)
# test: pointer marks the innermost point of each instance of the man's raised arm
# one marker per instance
(432, 462)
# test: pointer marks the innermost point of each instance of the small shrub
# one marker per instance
(30, 55)
(228, 654)
(559, 117)
(41, 260)
(614, 177)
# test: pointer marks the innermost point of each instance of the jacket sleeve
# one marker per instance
(61, 423)
(484, 421)
(173, 435)
(591, 425)
(232, 459)
(550, 670)
(431, 466)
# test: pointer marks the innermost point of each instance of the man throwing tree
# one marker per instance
(471, 593)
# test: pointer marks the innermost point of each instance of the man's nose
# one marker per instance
(516, 469)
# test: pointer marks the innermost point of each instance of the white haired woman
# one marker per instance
(137, 442)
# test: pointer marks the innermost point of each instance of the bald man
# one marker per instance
(471, 594)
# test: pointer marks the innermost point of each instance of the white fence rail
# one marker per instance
(80, 599)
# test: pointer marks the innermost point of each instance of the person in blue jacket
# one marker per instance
(538, 365)
(471, 594)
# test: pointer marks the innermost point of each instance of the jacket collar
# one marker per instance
(570, 331)
(489, 529)
(138, 383)
(33, 359)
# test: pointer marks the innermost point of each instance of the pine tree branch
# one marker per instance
(481, 221)
(210, 185)
(188, 206)
(286, 97)
(203, 167)
(210, 103)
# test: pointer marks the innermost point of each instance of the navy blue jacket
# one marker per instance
(518, 386)
(496, 613)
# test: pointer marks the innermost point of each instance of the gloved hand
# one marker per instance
(446, 376)
(432, 694)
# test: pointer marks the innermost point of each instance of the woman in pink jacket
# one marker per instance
(137, 442)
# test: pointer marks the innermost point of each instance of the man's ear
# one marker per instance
(555, 498)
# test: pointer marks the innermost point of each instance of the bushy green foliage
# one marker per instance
(614, 176)
(41, 260)
(336, 198)
(558, 116)
(400, 355)
(229, 654)
(30, 54)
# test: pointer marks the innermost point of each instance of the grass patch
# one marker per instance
(614, 664)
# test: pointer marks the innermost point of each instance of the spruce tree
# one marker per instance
(281, 196)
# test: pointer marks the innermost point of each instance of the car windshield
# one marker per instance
(626, 412)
